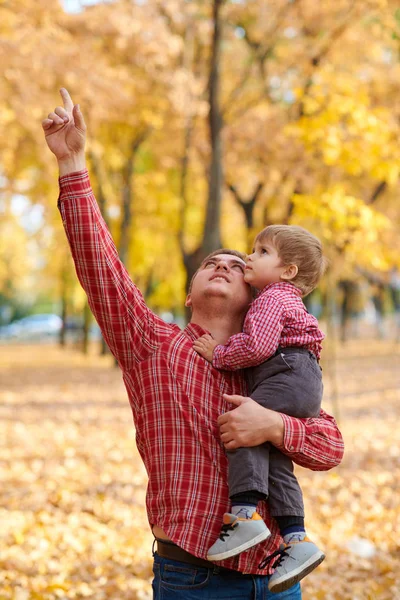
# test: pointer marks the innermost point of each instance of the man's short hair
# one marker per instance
(216, 253)
(297, 246)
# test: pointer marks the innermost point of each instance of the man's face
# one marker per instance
(221, 276)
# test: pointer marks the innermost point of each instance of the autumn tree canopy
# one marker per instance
(207, 121)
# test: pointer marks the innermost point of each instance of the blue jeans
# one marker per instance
(174, 580)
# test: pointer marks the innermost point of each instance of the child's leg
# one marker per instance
(294, 388)
(278, 384)
(290, 383)
(301, 555)
(245, 504)
(285, 496)
(248, 478)
(249, 467)
(248, 474)
(243, 528)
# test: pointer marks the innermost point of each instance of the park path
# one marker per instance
(72, 486)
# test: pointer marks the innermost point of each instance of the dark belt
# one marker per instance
(173, 552)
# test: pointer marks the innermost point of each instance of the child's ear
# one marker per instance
(290, 272)
(188, 301)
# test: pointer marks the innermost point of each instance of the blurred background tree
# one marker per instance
(207, 121)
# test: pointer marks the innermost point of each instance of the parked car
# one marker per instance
(34, 327)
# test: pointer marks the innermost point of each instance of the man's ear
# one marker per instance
(289, 272)
(188, 301)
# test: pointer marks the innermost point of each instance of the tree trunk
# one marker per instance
(125, 240)
(86, 327)
(127, 212)
(212, 231)
(64, 304)
(98, 173)
(211, 238)
(61, 339)
(348, 288)
(330, 353)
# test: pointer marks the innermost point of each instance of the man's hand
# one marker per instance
(205, 345)
(250, 424)
(65, 133)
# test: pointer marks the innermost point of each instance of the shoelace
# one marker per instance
(225, 529)
(280, 553)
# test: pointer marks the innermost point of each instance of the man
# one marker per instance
(177, 398)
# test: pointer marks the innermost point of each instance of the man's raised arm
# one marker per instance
(130, 328)
(315, 443)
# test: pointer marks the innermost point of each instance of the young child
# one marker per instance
(280, 347)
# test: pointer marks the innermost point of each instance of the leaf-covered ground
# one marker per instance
(72, 486)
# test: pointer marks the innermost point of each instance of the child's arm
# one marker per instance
(262, 331)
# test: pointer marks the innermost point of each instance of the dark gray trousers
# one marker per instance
(291, 383)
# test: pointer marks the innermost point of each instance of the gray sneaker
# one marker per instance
(297, 559)
(238, 535)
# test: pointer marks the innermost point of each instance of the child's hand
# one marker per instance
(205, 345)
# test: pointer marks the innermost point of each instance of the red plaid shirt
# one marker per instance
(277, 317)
(175, 396)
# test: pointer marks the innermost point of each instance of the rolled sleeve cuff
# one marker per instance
(217, 360)
(294, 435)
(74, 184)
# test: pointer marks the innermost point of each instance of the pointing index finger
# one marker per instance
(68, 104)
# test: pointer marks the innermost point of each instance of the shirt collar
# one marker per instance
(194, 331)
(282, 285)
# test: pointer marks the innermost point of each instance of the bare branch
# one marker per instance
(378, 191)
(238, 87)
(247, 204)
(183, 184)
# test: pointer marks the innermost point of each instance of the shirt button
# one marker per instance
(291, 448)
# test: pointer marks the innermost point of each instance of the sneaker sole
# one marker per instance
(285, 582)
(239, 549)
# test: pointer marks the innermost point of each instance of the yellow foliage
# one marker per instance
(15, 262)
(341, 123)
(345, 225)
(290, 122)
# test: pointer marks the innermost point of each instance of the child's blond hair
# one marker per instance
(297, 246)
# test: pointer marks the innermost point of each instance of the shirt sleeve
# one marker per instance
(131, 330)
(259, 340)
(315, 443)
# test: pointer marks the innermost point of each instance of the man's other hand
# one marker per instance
(249, 424)
(65, 133)
(205, 345)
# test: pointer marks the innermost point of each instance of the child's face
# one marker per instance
(263, 266)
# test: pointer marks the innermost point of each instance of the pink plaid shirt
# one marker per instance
(277, 317)
(174, 394)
